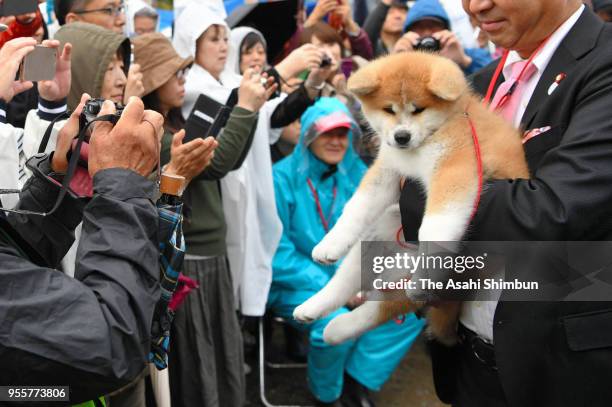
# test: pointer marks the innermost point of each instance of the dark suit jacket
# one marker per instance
(551, 353)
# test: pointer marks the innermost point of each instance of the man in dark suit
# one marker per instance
(523, 354)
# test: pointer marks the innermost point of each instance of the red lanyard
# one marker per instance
(315, 195)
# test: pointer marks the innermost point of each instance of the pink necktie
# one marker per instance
(510, 107)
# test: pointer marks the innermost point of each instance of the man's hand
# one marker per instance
(59, 163)
(305, 57)
(11, 55)
(322, 8)
(190, 159)
(251, 94)
(57, 88)
(452, 48)
(134, 86)
(406, 43)
(134, 142)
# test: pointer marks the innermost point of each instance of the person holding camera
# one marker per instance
(339, 15)
(51, 104)
(427, 28)
(91, 332)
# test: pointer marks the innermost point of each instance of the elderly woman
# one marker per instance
(312, 185)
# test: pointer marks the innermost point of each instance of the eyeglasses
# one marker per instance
(115, 11)
(182, 73)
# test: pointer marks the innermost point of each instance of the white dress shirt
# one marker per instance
(478, 315)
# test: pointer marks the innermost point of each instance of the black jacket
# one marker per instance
(551, 353)
(91, 332)
(291, 109)
(372, 26)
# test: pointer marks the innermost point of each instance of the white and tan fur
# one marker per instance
(440, 154)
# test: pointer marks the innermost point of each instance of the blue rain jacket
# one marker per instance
(293, 267)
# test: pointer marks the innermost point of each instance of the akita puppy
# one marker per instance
(420, 105)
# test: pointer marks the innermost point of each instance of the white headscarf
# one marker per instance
(193, 21)
(253, 226)
(236, 38)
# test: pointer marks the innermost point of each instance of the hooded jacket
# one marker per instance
(293, 267)
(93, 49)
(426, 8)
(433, 8)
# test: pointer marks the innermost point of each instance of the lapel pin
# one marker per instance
(556, 83)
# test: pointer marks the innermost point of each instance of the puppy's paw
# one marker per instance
(307, 313)
(329, 251)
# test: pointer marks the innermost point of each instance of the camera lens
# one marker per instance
(428, 44)
(326, 61)
(93, 107)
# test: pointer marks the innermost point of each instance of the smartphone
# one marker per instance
(202, 117)
(38, 65)
(17, 7)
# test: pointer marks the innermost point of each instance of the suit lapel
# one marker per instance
(581, 39)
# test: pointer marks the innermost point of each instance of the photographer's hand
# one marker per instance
(57, 88)
(59, 162)
(134, 86)
(251, 95)
(322, 8)
(190, 159)
(316, 80)
(307, 56)
(350, 26)
(452, 48)
(132, 144)
(406, 43)
(11, 55)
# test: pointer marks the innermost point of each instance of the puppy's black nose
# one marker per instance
(402, 137)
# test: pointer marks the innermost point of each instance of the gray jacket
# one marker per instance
(91, 332)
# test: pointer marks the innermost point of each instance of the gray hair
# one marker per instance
(147, 12)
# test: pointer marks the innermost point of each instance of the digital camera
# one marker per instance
(429, 44)
(91, 110)
(326, 61)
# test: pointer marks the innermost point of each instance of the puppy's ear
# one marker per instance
(446, 81)
(364, 82)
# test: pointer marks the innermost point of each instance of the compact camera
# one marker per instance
(91, 110)
(325, 62)
(429, 44)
